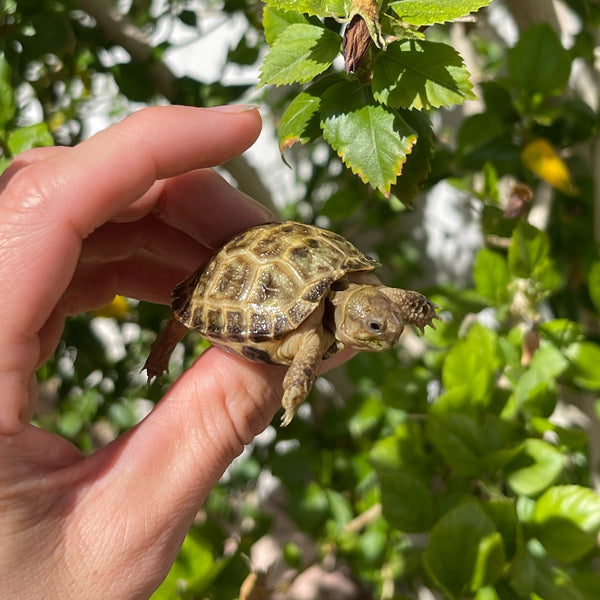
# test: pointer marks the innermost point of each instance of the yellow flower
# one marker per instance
(540, 157)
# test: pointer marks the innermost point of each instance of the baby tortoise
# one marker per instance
(289, 294)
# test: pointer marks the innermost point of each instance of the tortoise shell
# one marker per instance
(263, 283)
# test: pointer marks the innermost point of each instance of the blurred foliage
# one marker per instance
(453, 464)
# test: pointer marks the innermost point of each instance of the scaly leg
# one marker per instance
(158, 359)
(415, 308)
(306, 346)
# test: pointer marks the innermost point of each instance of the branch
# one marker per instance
(121, 31)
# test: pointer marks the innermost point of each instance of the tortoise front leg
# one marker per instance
(304, 347)
(415, 308)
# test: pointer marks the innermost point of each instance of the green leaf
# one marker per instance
(319, 8)
(301, 120)
(537, 466)
(538, 63)
(490, 560)
(594, 284)
(491, 276)
(535, 391)
(425, 12)
(464, 550)
(529, 256)
(459, 439)
(473, 362)
(371, 139)
(400, 463)
(585, 359)
(406, 501)
(32, 136)
(420, 74)
(277, 20)
(7, 99)
(195, 567)
(417, 166)
(300, 53)
(404, 450)
(566, 520)
(532, 576)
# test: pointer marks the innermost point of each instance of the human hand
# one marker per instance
(132, 210)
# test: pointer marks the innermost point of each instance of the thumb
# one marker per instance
(179, 452)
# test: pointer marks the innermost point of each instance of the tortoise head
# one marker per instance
(366, 319)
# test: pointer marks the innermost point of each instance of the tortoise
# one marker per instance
(290, 294)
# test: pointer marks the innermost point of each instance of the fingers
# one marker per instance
(192, 435)
(224, 211)
(48, 206)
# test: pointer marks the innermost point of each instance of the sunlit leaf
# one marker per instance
(425, 12)
(371, 139)
(300, 53)
(320, 8)
(566, 519)
(420, 74)
(535, 468)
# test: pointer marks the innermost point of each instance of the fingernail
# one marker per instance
(234, 108)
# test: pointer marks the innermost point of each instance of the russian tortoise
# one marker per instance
(289, 294)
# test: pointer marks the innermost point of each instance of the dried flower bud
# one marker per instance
(357, 40)
(520, 196)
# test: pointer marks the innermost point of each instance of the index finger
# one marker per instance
(48, 207)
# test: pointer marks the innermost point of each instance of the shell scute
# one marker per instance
(263, 284)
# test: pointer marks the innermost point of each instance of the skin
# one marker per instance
(367, 315)
(132, 210)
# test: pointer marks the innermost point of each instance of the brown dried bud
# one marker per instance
(357, 40)
(530, 345)
(520, 196)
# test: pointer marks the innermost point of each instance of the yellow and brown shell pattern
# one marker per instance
(263, 283)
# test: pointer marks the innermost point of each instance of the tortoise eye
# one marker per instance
(374, 326)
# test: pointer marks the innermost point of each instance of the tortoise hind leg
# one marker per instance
(158, 359)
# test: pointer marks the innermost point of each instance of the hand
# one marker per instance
(132, 210)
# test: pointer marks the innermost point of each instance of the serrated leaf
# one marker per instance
(417, 166)
(277, 20)
(371, 139)
(301, 121)
(425, 12)
(420, 74)
(566, 520)
(300, 53)
(319, 8)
